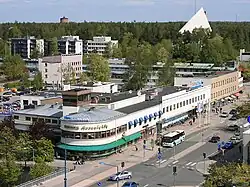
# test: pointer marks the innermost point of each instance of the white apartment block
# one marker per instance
(25, 46)
(70, 45)
(244, 55)
(99, 44)
(53, 68)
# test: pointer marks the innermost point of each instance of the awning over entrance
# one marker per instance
(237, 94)
(101, 147)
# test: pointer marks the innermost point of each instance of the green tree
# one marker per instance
(229, 50)
(24, 147)
(54, 46)
(166, 74)
(41, 168)
(67, 72)
(44, 150)
(35, 54)
(98, 68)
(109, 50)
(83, 77)
(14, 32)
(73, 78)
(8, 143)
(117, 52)
(227, 175)
(38, 81)
(14, 67)
(26, 83)
(140, 67)
(9, 171)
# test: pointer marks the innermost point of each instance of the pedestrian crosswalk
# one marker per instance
(187, 165)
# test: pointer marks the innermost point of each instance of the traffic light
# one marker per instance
(159, 150)
(174, 169)
(204, 155)
(144, 142)
(122, 164)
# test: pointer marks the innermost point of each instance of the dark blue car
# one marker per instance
(228, 145)
(130, 184)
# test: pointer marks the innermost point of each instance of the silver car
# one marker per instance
(235, 139)
(121, 176)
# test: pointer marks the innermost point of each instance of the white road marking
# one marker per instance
(163, 161)
(193, 164)
(146, 185)
(188, 163)
(175, 162)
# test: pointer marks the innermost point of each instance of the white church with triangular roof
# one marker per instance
(199, 20)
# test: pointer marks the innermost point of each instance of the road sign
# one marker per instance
(159, 156)
(219, 146)
(99, 184)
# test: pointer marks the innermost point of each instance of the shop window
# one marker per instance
(180, 104)
(186, 102)
(192, 100)
(16, 117)
(47, 120)
(54, 121)
(103, 134)
(174, 107)
(177, 105)
(163, 110)
(167, 108)
(170, 108)
(183, 103)
(195, 99)
(27, 118)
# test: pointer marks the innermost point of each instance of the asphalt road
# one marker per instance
(151, 173)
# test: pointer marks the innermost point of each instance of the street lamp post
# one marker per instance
(65, 168)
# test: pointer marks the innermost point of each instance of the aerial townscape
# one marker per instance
(123, 104)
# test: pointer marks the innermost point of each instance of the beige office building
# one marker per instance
(224, 85)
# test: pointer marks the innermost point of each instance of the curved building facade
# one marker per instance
(102, 128)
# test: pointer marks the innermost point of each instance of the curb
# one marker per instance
(201, 169)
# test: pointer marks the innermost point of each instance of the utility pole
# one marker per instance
(65, 168)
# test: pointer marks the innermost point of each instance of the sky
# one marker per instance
(121, 10)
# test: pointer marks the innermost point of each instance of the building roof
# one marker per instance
(205, 75)
(150, 103)
(194, 65)
(199, 20)
(93, 115)
(107, 98)
(54, 111)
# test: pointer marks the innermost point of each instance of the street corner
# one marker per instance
(203, 166)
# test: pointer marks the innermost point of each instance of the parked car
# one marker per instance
(121, 176)
(237, 133)
(234, 118)
(224, 115)
(233, 127)
(228, 145)
(233, 112)
(215, 139)
(235, 140)
(130, 184)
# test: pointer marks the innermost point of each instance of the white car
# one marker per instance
(224, 115)
(121, 176)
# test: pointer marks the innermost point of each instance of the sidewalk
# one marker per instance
(92, 171)
(203, 166)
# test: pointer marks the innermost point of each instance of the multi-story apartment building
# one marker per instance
(99, 44)
(54, 69)
(70, 45)
(119, 68)
(26, 46)
(223, 84)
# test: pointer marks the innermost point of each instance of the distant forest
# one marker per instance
(238, 32)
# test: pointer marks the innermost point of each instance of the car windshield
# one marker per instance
(126, 184)
(118, 173)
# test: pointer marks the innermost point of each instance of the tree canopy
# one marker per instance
(98, 68)
(14, 67)
(228, 175)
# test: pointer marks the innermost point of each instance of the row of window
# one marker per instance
(184, 103)
(224, 92)
(224, 82)
(94, 135)
(34, 119)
